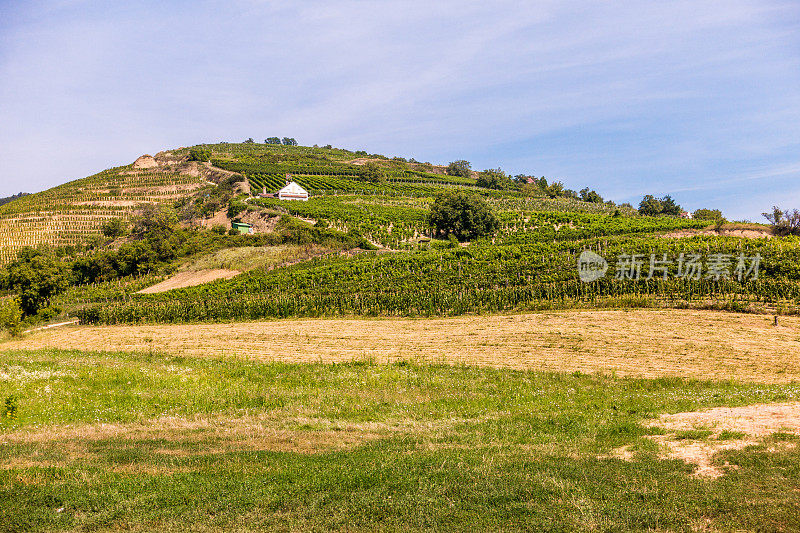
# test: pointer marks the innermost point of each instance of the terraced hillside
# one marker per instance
(69, 213)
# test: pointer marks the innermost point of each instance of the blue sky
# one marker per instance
(697, 99)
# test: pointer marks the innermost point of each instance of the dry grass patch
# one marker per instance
(187, 437)
(643, 343)
(749, 424)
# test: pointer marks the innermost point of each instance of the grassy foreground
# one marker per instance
(107, 441)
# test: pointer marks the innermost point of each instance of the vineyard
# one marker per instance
(68, 214)
(483, 278)
(529, 263)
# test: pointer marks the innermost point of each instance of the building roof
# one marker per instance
(293, 189)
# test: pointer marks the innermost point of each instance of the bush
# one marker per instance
(462, 214)
(235, 208)
(10, 407)
(10, 316)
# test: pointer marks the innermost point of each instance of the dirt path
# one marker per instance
(190, 279)
(646, 343)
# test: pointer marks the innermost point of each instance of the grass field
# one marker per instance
(644, 343)
(104, 441)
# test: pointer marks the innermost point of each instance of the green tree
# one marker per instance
(272, 140)
(784, 222)
(670, 207)
(650, 206)
(36, 276)
(555, 189)
(199, 154)
(114, 227)
(708, 214)
(289, 141)
(462, 214)
(156, 221)
(374, 173)
(590, 196)
(460, 167)
(494, 178)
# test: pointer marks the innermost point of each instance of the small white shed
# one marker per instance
(293, 191)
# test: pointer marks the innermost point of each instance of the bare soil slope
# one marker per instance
(190, 279)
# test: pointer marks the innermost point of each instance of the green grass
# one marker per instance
(398, 447)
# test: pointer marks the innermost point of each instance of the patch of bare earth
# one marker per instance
(220, 218)
(751, 424)
(190, 279)
(261, 222)
(644, 343)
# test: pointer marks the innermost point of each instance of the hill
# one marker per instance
(361, 245)
(73, 212)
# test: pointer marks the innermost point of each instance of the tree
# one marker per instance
(650, 206)
(554, 189)
(289, 141)
(249, 141)
(374, 172)
(784, 222)
(272, 140)
(462, 214)
(531, 190)
(708, 214)
(37, 275)
(670, 207)
(199, 154)
(155, 221)
(590, 196)
(460, 167)
(114, 227)
(494, 178)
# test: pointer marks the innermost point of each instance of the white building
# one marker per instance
(293, 191)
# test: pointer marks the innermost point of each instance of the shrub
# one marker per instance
(10, 407)
(10, 316)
